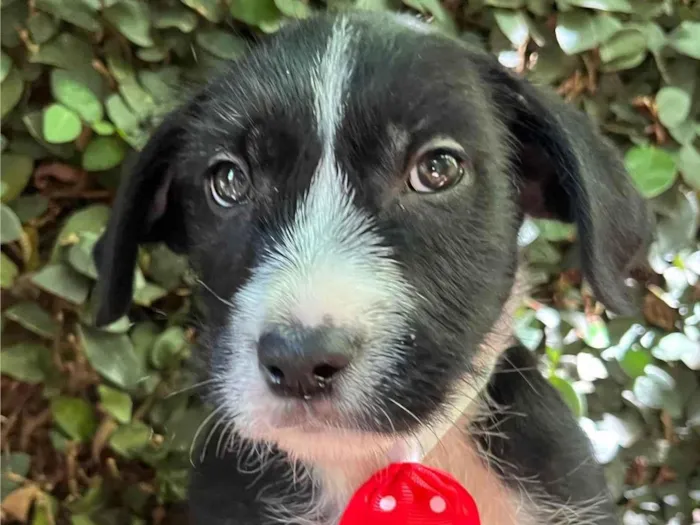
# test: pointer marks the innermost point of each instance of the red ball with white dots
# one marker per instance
(411, 494)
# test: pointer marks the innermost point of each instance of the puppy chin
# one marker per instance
(315, 432)
(331, 446)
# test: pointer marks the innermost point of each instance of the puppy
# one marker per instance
(349, 195)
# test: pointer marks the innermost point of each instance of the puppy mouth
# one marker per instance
(312, 416)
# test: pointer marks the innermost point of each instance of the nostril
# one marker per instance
(325, 371)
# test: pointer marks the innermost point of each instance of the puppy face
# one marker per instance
(350, 195)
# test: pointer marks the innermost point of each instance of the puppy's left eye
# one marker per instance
(229, 183)
(436, 170)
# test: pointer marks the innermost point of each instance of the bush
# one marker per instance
(97, 424)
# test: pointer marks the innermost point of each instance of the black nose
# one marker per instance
(303, 362)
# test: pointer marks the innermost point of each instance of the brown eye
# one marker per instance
(229, 183)
(436, 170)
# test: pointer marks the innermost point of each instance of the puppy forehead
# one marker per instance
(389, 60)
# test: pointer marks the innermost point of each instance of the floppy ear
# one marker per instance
(569, 171)
(144, 210)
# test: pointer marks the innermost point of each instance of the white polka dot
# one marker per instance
(387, 503)
(438, 504)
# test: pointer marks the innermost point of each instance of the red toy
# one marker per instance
(411, 494)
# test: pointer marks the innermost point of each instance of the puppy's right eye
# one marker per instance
(436, 170)
(229, 183)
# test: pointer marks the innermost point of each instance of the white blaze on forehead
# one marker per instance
(330, 78)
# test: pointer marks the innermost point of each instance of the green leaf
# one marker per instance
(161, 84)
(649, 392)
(634, 360)
(685, 38)
(34, 122)
(61, 124)
(34, 318)
(169, 348)
(578, 30)
(129, 440)
(673, 105)
(165, 267)
(8, 271)
(73, 94)
(689, 165)
(25, 362)
(604, 443)
(103, 153)
(657, 390)
(143, 336)
(152, 54)
(255, 12)
(596, 334)
(178, 17)
(72, 12)
(5, 66)
(112, 356)
(149, 293)
(569, 395)
(138, 99)
(16, 463)
(514, 25)
(507, 4)
(66, 51)
(75, 417)
(42, 27)
(181, 430)
(64, 282)
(131, 18)
(691, 355)
(672, 346)
(10, 225)
(221, 43)
(59, 441)
(115, 403)
(212, 10)
(621, 6)
(294, 8)
(28, 207)
(653, 170)
(625, 43)
(124, 119)
(81, 519)
(90, 219)
(11, 91)
(555, 231)
(80, 255)
(45, 510)
(16, 171)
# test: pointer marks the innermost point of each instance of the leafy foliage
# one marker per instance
(97, 424)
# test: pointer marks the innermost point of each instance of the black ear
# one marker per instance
(145, 210)
(569, 171)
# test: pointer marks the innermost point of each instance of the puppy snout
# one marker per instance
(304, 362)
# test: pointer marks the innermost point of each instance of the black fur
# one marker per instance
(527, 153)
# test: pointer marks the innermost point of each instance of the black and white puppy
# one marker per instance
(350, 195)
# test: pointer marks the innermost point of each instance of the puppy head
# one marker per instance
(350, 195)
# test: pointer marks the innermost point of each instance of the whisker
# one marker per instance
(217, 296)
(189, 388)
(199, 429)
(211, 433)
